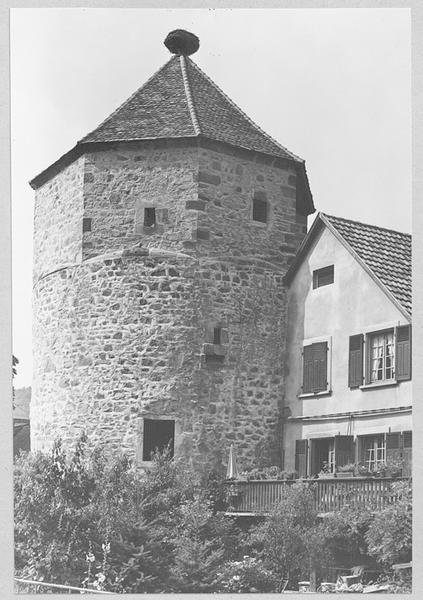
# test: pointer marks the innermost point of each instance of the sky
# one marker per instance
(331, 85)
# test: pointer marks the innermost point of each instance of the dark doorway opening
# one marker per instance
(159, 435)
(322, 456)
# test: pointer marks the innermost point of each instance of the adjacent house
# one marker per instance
(348, 377)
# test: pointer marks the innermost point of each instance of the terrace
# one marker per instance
(258, 497)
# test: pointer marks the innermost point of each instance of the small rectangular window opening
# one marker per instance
(217, 335)
(323, 276)
(159, 435)
(86, 225)
(149, 216)
(259, 210)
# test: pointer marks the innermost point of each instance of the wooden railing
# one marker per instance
(260, 496)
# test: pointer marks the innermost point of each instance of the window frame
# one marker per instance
(369, 357)
(400, 372)
(330, 269)
(372, 463)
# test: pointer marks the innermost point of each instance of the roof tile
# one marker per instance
(386, 252)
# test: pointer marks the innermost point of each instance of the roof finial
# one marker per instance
(182, 42)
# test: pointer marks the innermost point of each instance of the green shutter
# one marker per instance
(355, 361)
(301, 457)
(403, 353)
(344, 450)
(315, 359)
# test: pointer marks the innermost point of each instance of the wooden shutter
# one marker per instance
(301, 457)
(344, 450)
(407, 453)
(355, 361)
(393, 447)
(315, 359)
(403, 353)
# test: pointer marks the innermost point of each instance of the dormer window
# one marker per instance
(260, 207)
(149, 216)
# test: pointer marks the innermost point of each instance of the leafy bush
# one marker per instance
(389, 536)
(246, 575)
(274, 472)
(86, 519)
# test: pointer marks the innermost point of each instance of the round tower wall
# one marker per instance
(123, 338)
(125, 331)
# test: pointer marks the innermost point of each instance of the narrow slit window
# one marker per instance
(86, 224)
(149, 216)
(323, 276)
(217, 335)
(260, 210)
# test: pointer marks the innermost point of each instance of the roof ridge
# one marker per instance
(108, 118)
(366, 224)
(189, 96)
(246, 117)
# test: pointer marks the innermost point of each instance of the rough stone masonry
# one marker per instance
(126, 314)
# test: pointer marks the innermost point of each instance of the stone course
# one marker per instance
(122, 314)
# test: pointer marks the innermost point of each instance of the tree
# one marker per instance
(280, 539)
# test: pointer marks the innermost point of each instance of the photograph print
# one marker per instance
(212, 354)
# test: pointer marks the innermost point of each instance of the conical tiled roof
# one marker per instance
(181, 101)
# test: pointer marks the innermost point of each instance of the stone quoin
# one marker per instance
(160, 246)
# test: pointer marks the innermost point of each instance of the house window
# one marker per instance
(86, 225)
(387, 358)
(260, 210)
(159, 435)
(315, 368)
(323, 276)
(381, 359)
(373, 451)
(149, 216)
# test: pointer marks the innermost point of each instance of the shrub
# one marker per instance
(83, 518)
(246, 575)
(389, 536)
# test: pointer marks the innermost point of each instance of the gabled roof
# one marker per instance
(180, 101)
(385, 254)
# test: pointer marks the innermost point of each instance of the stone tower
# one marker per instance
(161, 242)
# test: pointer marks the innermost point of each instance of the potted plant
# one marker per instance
(393, 468)
(362, 471)
(326, 473)
(289, 475)
(347, 470)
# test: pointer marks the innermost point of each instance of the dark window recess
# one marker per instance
(259, 210)
(159, 435)
(315, 368)
(86, 225)
(217, 335)
(149, 216)
(323, 276)
(214, 359)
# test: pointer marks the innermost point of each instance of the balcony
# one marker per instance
(258, 497)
